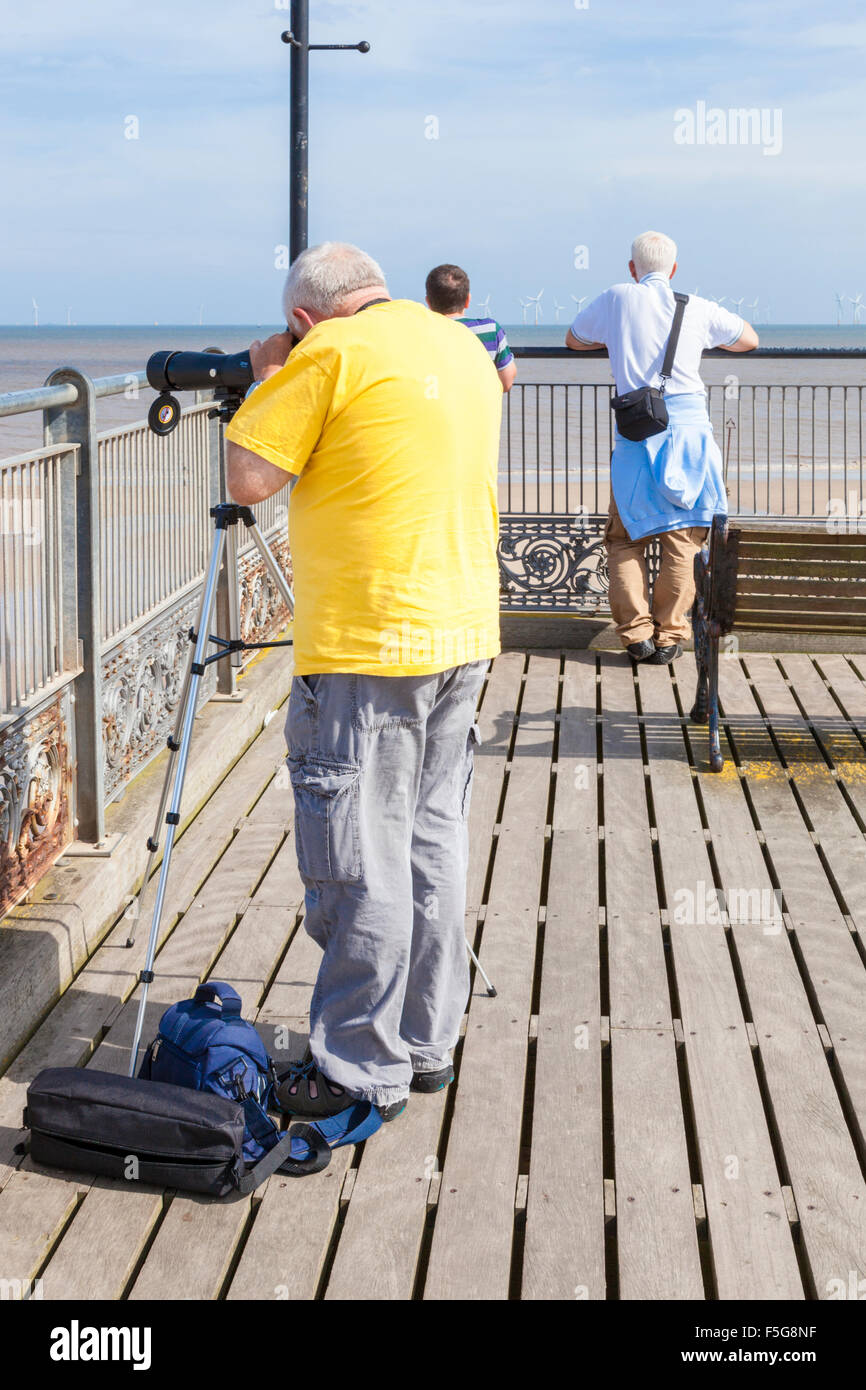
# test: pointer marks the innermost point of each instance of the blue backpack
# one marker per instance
(203, 1043)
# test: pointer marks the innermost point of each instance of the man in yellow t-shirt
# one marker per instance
(387, 416)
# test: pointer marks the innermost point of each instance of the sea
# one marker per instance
(28, 354)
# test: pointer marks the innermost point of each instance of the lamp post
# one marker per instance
(299, 39)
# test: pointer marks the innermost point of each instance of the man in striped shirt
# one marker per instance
(448, 294)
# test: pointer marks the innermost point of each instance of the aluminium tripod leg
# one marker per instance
(271, 565)
(173, 743)
(172, 820)
(480, 968)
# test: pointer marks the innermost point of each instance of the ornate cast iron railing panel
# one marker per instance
(35, 794)
(556, 564)
(142, 678)
(263, 613)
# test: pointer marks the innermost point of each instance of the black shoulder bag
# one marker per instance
(642, 413)
(96, 1122)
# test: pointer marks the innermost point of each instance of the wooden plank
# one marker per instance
(380, 1242)
(786, 621)
(841, 730)
(819, 1155)
(810, 535)
(639, 995)
(752, 1250)
(841, 838)
(821, 587)
(758, 558)
(821, 605)
(284, 1015)
(495, 722)
(99, 1254)
(193, 1250)
(847, 685)
(472, 1238)
(655, 1216)
(282, 886)
(564, 1251)
(287, 1248)
(35, 1206)
(656, 1233)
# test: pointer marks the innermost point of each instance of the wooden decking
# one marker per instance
(667, 1097)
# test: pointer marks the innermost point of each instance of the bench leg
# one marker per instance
(717, 762)
(698, 711)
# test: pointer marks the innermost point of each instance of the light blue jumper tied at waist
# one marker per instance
(671, 480)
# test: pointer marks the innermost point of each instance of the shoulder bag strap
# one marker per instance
(670, 353)
(280, 1156)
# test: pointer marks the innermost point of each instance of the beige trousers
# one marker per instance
(674, 590)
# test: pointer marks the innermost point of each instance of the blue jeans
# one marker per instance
(381, 770)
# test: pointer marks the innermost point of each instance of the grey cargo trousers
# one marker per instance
(381, 771)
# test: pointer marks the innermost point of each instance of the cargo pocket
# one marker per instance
(472, 742)
(327, 832)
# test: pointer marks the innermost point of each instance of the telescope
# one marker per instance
(229, 374)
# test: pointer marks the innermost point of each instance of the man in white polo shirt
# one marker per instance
(669, 486)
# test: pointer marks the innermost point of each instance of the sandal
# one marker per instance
(305, 1090)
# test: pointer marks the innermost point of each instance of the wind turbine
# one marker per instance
(580, 301)
(718, 299)
(696, 291)
(557, 309)
(753, 308)
(524, 304)
(840, 299)
(536, 300)
(738, 302)
(35, 314)
(857, 308)
(484, 306)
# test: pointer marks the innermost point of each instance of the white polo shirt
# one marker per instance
(634, 323)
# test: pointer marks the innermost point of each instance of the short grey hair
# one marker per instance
(653, 251)
(321, 279)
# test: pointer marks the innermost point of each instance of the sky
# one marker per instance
(501, 135)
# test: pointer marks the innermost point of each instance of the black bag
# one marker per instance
(95, 1122)
(642, 412)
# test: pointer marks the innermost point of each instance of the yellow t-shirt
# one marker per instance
(391, 418)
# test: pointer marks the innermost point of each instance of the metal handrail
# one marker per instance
(45, 397)
(810, 354)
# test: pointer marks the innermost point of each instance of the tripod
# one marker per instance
(226, 518)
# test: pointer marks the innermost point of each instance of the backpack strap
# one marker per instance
(215, 990)
(280, 1157)
(671, 351)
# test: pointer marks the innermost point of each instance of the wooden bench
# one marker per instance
(785, 576)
